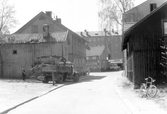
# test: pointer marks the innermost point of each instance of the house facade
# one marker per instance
(111, 43)
(145, 45)
(16, 56)
(61, 41)
(137, 13)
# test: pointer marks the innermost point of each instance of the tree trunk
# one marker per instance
(1, 63)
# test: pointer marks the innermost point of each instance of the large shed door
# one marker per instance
(130, 69)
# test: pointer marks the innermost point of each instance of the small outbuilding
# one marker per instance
(146, 44)
(96, 58)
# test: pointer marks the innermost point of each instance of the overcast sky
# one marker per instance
(77, 15)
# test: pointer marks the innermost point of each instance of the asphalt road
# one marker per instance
(94, 94)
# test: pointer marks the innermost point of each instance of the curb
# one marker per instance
(132, 108)
(129, 105)
(6, 111)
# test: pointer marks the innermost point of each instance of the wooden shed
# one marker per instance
(145, 43)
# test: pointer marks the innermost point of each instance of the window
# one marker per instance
(42, 18)
(90, 40)
(109, 56)
(98, 39)
(94, 39)
(34, 28)
(14, 52)
(153, 6)
(164, 29)
(93, 58)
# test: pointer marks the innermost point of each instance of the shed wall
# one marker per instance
(25, 57)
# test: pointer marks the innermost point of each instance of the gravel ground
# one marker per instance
(14, 92)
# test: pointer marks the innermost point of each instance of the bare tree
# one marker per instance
(3, 43)
(7, 17)
(111, 12)
(7, 21)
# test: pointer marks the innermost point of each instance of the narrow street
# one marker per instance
(92, 95)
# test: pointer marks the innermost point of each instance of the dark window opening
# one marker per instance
(14, 52)
(45, 30)
(42, 18)
(153, 6)
(109, 56)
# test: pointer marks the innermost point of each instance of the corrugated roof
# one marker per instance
(33, 38)
(21, 38)
(94, 51)
(60, 36)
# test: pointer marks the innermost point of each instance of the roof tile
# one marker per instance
(60, 36)
(32, 38)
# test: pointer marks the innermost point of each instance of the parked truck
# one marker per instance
(55, 68)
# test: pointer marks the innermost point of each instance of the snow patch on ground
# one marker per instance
(143, 104)
(14, 92)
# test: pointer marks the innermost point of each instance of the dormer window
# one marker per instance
(153, 6)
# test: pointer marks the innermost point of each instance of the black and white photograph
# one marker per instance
(83, 56)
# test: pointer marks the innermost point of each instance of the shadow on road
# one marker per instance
(89, 78)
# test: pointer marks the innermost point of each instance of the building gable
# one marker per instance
(137, 13)
(35, 25)
(152, 19)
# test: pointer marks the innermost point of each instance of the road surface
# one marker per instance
(94, 94)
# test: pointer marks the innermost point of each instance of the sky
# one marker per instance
(76, 15)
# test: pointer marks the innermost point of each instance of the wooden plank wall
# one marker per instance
(146, 64)
(130, 68)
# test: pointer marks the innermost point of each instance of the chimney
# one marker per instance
(82, 34)
(49, 13)
(87, 33)
(58, 20)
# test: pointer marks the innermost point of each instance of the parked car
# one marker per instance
(114, 67)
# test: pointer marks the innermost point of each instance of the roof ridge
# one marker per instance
(28, 22)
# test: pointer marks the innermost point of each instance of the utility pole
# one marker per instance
(53, 78)
(62, 50)
(46, 34)
(106, 47)
(106, 42)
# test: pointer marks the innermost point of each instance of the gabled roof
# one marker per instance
(42, 13)
(95, 51)
(131, 10)
(131, 29)
(29, 22)
(39, 14)
(33, 38)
